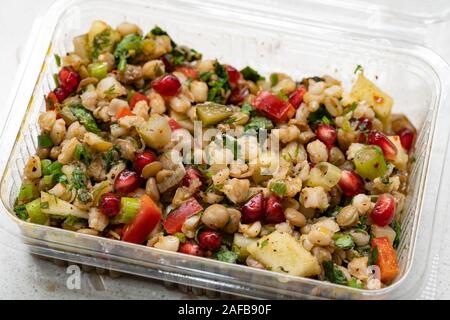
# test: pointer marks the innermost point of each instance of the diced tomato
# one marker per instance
(296, 97)
(386, 259)
(174, 125)
(274, 107)
(138, 97)
(176, 218)
(146, 220)
(50, 101)
(122, 112)
(188, 72)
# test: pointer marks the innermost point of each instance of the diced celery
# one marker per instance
(129, 208)
(44, 165)
(35, 213)
(26, 193)
(54, 167)
(98, 70)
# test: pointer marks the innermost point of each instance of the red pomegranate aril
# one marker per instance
(406, 138)
(109, 204)
(192, 249)
(60, 94)
(254, 209)
(234, 76)
(378, 138)
(192, 174)
(167, 85)
(326, 133)
(126, 181)
(142, 159)
(384, 210)
(238, 95)
(69, 79)
(209, 240)
(174, 125)
(296, 97)
(364, 124)
(351, 183)
(274, 210)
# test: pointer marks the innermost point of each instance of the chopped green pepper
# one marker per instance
(129, 209)
(82, 154)
(26, 193)
(130, 45)
(98, 70)
(53, 168)
(44, 141)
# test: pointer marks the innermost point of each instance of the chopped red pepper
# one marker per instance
(174, 125)
(138, 97)
(386, 259)
(296, 97)
(274, 107)
(176, 218)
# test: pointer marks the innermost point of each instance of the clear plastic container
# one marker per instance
(297, 38)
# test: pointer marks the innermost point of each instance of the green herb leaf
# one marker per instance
(110, 157)
(278, 187)
(274, 79)
(78, 179)
(358, 68)
(398, 229)
(373, 258)
(57, 60)
(333, 274)
(258, 122)
(157, 31)
(326, 120)
(343, 241)
(250, 74)
(82, 154)
(247, 108)
(129, 46)
(226, 255)
(85, 117)
(318, 115)
(21, 212)
(355, 283)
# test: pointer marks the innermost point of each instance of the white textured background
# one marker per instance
(26, 277)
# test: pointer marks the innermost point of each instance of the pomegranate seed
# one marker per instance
(174, 125)
(192, 174)
(406, 138)
(351, 183)
(296, 97)
(60, 94)
(126, 181)
(234, 76)
(69, 79)
(238, 95)
(167, 85)
(142, 159)
(109, 204)
(209, 240)
(326, 133)
(191, 248)
(253, 210)
(274, 210)
(378, 138)
(364, 124)
(384, 210)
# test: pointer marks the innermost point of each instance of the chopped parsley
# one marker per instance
(78, 179)
(226, 255)
(358, 68)
(373, 258)
(251, 74)
(333, 274)
(278, 187)
(398, 229)
(355, 283)
(21, 212)
(258, 122)
(218, 88)
(82, 154)
(247, 108)
(343, 241)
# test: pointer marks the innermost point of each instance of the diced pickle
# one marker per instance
(211, 113)
(369, 162)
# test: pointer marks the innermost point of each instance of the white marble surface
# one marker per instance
(28, 277)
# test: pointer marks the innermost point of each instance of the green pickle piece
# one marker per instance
(211, 113)
(369, 162)
(35, 213)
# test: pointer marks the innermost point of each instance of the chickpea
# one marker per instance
(205, 66)
(306, 243)
(180, 104)
(321, 254)
(126, 28)
(153, 69)
(169, 243)
(320, 236)
(47, 120)
(360, 237)
(199, 90)
(43, 153)
(337, 157)
(216, 216)
(157, 104)
(362, 203)
(358, 268)
(295, 217)
(284, 227)
(151, 189)
(290, 203)
(58, 131)
(347, 217)
(250, 230)
(55, 152)
(33, 168)
(317, 151)
(233, 222)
